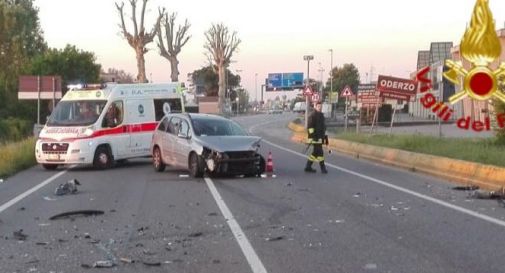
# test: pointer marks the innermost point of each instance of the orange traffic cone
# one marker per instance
(270, 165)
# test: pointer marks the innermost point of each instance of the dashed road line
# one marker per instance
(246, 247)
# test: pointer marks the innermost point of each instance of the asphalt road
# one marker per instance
(360, 217)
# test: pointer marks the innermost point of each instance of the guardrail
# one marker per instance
(459, 171)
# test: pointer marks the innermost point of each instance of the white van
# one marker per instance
(299, 107)
(100, 124)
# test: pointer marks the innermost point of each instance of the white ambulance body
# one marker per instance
(102, 124)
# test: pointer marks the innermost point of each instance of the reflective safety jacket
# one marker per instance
(316, 127)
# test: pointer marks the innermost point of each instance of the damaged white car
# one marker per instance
(204, 143)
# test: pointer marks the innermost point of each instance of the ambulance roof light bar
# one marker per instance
(84, 87)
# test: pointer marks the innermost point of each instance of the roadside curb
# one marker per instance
(460, 171)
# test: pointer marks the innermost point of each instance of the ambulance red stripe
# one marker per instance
(128, 128)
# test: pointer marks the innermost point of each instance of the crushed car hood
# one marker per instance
(230, 143)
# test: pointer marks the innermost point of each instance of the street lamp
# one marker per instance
(236, 100)
(307, 58)
(331, 77)
(256, 86)
(321, 71)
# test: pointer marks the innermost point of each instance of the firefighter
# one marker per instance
(317, 130)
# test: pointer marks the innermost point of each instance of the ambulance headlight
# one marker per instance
(88, 132)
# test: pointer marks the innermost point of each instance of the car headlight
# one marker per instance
(211, 165)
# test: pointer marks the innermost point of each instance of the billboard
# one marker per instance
(49, 87)
(284, 81)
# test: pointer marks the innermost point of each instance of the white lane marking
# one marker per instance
(398, 188)
(246, 247)
(30, 191)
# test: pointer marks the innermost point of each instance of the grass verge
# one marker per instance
(485, 151)
(16, 156)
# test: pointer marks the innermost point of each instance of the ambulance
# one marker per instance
(101, 124)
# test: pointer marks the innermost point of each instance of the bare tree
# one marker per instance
(174, 43)
(221, 46)
(140, 38)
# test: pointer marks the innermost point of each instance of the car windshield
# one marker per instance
(76, 113)
(217, 127)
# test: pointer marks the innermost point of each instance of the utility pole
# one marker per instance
(307, 58)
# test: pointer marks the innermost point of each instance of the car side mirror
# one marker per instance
(183, 135)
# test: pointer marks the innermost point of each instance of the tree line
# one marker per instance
(24, 51)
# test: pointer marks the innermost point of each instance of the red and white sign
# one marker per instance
(396, 88)
(347, 92)
(307, 91)
(49, 86)
(315, 97)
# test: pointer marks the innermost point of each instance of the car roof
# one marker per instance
(196, 116)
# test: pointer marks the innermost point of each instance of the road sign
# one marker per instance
(307, 91)
(315, 97)
(347, 92)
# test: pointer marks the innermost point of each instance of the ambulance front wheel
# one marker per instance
(103, 158)
(50, 167)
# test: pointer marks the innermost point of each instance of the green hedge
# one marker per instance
(14, 129)
(16, 156)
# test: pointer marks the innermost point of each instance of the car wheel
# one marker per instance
(158, 164)
(50, 167)
(195, 165)
(103, 158)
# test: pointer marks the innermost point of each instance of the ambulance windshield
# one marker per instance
(76, 113)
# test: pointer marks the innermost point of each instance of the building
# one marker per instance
(442, 89)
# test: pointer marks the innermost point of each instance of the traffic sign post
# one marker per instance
(347, 92)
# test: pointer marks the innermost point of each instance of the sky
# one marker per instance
(378, 37)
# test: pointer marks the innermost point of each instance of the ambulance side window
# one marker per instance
(114, 115)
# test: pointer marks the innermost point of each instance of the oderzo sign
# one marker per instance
(396, 88)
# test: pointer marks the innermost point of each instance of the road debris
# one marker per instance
(466, 188)
(70, 187)
(482, 194)
(1, 181)
(273, 239)
(19, 235)
(47, 198)
(76, 213)
(196, 234)
(127, 261)
(148, 263)
(104, 264)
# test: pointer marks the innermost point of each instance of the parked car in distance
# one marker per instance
(299, 107)
(204, 143)
(275, 111)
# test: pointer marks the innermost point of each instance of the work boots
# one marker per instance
(308, 167)
(323, 167)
